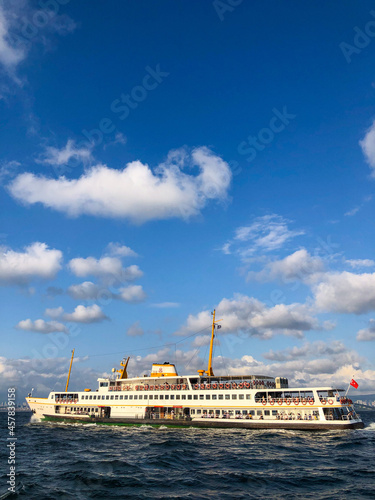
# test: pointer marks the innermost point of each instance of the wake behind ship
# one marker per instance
(204, 400)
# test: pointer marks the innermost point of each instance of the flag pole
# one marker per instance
(347, 390)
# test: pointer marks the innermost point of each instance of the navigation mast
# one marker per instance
(70, 369)
(209, 370)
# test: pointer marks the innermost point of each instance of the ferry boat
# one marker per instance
(163, 397)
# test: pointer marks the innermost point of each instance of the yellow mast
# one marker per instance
(209, 370)
(70, 369)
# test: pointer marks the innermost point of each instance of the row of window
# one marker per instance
(169, 396)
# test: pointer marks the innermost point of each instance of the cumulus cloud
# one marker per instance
(368, 146)
(63, 156)
(131, 294)
(201, 340)
(319, 348)
(41, 326)
(118, 250)
(84, 291)
(36, 262)
(297, 266)
(346, 292)
(83, 314)
(134, 192)
(252, 317)
(135, 330)
(367, 334)
(108, 268)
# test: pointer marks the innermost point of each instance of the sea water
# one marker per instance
(74, 461)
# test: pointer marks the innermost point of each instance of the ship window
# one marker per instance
(195, 396)
(94, 397)
(241, 396)
(201, 396)
(151, 397)
(111, 397)
(214, 396)
(178, 396)
(130, 397)
(259, 412)
(208, 396)
(90, 397)
(244, 412)
(220, 396)
(107, 397)
(227, 396)
(248, 396)
(121, 397)
(199, 412)
(166, 396)
(172, 396)
(156, 396)
(135, 397)
(126, 396)
(116, 397)
(274, 412)
(192, 411)
(140, 397)
(252, 412)
(161, 396)
(189, 396)
(234, 396)
(266, 412)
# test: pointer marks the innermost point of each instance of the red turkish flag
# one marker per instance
(354, 384)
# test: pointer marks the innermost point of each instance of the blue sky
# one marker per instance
(160, 159)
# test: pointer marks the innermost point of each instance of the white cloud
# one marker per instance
(297, 266)
(134, 192)
(166, 305)
(63, 156)
(41, 326)
(269, 232)
(252, 317)
(84, 291)
(368, 146)
(105, 267)
(319, 348)
(135, 330)
(37, 261)
(346, 292)
(10, 55)
(120, 138)
(54, 313)
(201, 340)
(131, 294)
(368, 333)
(120, 250)
(360, 263)
(83, 314)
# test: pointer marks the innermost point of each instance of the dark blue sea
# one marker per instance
(63, 461)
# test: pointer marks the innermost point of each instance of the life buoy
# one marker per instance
(264, 402)
(280, 401)
(151, 387)
(304, 401)
(184, 386)
(247, 385)
(172, 387)
(288, 401)
(178, 387)
(214, 386)
(146, 387)
(136, 388)
(166, 387)
(296, 401)
(323, 401)
(221, 386)
(330, 402)
(234, 385)
(202, 386)
(208, 386)
(272, 402)
(311, 401)
(161, 387)
(196, 386)
(227, 386)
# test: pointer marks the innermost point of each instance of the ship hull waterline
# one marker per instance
(206, 423)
